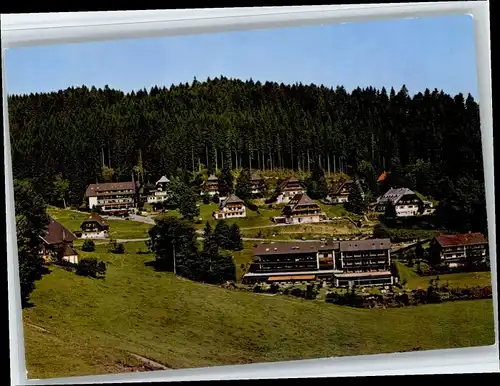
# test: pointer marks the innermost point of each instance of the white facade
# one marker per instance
(159, 196)
(92, 202)
(73, 259)
(94, 235)
(304, 219)
(406, 210)
(229, 212)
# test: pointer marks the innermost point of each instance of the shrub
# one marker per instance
(273, 288)
(216, 199)
(206, 199)
(88, 246)
(91, 267)
(114, 247)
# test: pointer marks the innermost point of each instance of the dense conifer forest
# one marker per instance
(431, 140)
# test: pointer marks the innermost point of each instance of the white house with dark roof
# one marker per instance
(405, 201)
(210, 186)
(301, 209)
(113, 197)
(160, 192)
(231, 207)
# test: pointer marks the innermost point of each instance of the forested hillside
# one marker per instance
(432, 140)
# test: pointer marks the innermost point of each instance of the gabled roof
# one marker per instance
(69, 251)
(338, 186)
(394, 195)
(94, 217)
(461, 239)
(301, 199)
(291, 180)
(212, 177)
(56, 233)
(101, 189)
(162, 180)
(232, 199)
(382, 176)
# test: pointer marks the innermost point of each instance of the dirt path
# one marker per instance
(149, 363)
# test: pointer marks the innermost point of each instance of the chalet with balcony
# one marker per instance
(301, 209)
(159, 193)
(258, 185)
(94, 227)
(458, 250)
(405, 202)
(211, 186)
(289, 188)
(345, 263)
(114, 198)
(231, 207)
(57, 244)
(339, 192)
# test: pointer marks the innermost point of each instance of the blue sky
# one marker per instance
(432, 52)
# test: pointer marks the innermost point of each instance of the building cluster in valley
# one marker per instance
(361, 262)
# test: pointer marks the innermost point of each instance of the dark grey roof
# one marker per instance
(232, 199)
(365, 245)
(394, 195)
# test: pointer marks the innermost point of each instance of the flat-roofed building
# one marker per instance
(345, 263)
(364, 262)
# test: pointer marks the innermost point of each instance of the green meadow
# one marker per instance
(83, 326)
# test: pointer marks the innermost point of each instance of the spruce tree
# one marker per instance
(226, 178)
(236, 240)
(356, 203)
(244, 185)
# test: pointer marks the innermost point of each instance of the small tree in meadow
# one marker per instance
(88, 246)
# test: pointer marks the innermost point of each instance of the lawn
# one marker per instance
(465, 279)
(340, 228)
(91, 326)
(118, 229)
(253, 219)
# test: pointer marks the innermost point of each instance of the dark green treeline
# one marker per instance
(432, 138)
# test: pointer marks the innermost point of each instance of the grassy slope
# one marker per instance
(92, 323)
(466, 279)
(118, 229)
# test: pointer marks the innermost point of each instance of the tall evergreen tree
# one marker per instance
(31, 223)
(244, 185)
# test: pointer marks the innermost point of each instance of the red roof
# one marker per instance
(382, 177)
(461, 239)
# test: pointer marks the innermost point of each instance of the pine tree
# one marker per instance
(236, 240)
(244, 185)
(356, 202)
(222, 233)
(226, 178)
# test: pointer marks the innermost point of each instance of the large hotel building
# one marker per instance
(362, 262)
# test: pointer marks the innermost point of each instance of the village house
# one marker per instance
(258, 185)
(459, 249)
(94, 227)
(339, 192)
(231, 207)
(211, 186)
(301, 209)
(406, 203)
(57, 244)
(114, 198)
(289, 188)
(345, 263)
(159, 194)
